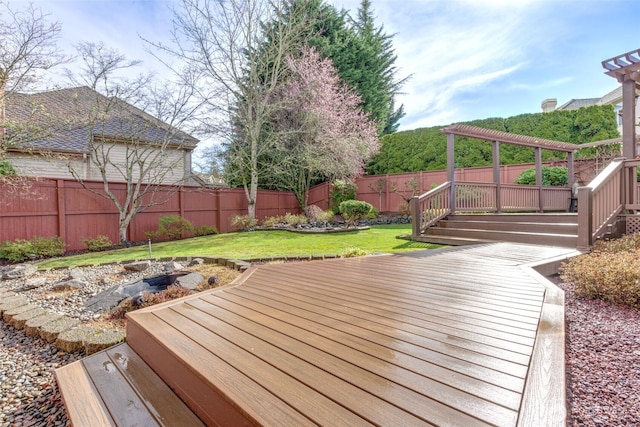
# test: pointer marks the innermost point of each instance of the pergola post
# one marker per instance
(495, 148)
(626, 69)
(451, 172)
(571, 170)
(628, 118)
(539, 178)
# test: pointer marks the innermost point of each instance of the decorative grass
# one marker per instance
(259, 245)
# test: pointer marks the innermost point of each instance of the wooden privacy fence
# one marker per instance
(64, 208)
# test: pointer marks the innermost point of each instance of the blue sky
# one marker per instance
(468, 59)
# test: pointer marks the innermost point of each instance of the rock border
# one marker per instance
(71, 335)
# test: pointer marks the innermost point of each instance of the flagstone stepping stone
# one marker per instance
(18, 321)
(50, 331)
(32, 326)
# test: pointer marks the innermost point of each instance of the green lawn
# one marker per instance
(259, 244)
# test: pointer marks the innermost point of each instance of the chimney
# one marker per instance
(549, 105)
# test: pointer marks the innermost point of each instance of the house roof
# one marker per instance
(574, 104)
(61, 120)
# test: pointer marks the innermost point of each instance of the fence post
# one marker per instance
(585, 219)
(62, 214)
(218, 212)
(414, 206)
(181, 200)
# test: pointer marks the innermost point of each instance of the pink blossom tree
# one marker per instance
(322, 132)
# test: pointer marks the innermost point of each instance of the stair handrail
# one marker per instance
(430, 207)
(600, 202)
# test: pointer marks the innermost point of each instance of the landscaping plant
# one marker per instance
(37, 247)
(243, 222)
(610, 272)
(99, 243)
(355, 210)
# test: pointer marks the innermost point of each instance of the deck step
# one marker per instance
(519, 217)
(115, 387)
(529, 227)
(547, 239)
(555, 229)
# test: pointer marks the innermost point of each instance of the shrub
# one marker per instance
(627, 243)
(354, 210)
(243, 222)
(354, 252)
(174, 227)
(17, 250)
(373, 213)
(99, 243)
(404, 209)
(551, 175)
(293, 220)
(204, 230)
(6, 168)
(341, 190)
(46, 247)
(37, 247)
(273, 221)
(610, 272)
(326, 216)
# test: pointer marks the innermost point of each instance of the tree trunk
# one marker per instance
(123, 226)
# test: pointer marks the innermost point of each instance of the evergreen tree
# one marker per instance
(374, 76)
(361, 52)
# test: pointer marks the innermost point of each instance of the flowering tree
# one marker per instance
(321, 131)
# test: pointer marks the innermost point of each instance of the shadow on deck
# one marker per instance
(461, 336)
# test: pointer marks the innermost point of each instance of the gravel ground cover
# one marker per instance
(603, 362)
(602, 352)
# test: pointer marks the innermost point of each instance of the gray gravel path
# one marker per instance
(28, 392)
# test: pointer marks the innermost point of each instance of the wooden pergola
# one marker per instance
(498, 137)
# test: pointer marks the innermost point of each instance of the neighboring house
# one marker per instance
(82, 130)
(612, 98)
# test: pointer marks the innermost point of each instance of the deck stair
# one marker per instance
(552, 229)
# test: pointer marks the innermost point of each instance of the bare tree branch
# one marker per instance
(140, 146)
(237, 61)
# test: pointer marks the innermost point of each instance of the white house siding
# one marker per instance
(169, 165)
(46, 167)
(57, 166)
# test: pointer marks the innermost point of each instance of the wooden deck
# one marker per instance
(441, 337)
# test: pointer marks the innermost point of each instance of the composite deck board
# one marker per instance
(464, 318)
(410, 371)
(327, 369)
(116, 388)
(449, 300)
(366, 310)
(439, 285)
(397, 328)
(411, 316)
(426, 338)
(430, 349)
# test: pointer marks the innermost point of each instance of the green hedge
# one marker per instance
(425, 148)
